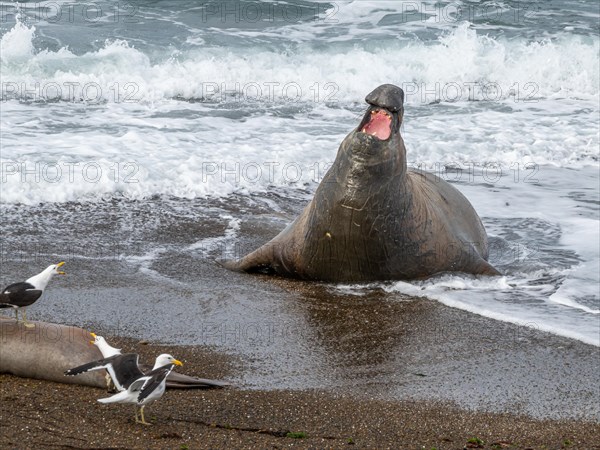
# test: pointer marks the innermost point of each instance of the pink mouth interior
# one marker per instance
(379, 125)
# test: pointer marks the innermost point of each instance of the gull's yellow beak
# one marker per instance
(177, 362)
(94, 336)
(60, 264)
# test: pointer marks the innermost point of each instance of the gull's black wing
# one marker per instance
(127, 369)
(19, 294)
(155, 378)
(123, 369)
(94, 365)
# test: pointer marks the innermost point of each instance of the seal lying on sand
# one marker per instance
(48, 350)
(374, 219)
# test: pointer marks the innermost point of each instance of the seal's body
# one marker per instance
(373, 219)
(46, 351)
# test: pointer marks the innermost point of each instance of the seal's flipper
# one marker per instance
(181, 381)
(262, 260)
(485, 268)
(243, 265)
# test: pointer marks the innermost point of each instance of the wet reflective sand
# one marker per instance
(157, 283)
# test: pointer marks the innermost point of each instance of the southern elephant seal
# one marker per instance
(46, 351)
(372, 218)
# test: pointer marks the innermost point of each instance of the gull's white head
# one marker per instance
(40, 281)
(106, 350)
(166, 359)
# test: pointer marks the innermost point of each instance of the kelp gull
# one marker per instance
(147, 388)
(26, 293)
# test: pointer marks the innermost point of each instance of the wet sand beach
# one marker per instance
(391, 383)
(341, 365)
(37, 414)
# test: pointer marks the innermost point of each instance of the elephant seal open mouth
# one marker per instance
(372, 218)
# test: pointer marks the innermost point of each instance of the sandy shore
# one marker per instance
(38, 414)
(377, 368)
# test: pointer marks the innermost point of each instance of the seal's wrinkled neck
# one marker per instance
(375, 148)
(372, 157)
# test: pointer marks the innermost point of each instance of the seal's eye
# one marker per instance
(379, 125)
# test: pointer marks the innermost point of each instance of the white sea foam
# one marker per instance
(134, 129)
(144, 264)
(208, 245)
(488, 298)
(16, 46)
(583, 236)
(507, 299)
(462, 58)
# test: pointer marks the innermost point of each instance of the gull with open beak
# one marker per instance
(26, 293)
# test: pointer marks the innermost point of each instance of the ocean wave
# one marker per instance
(118, 121)
(461, 65)
(499, 298)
